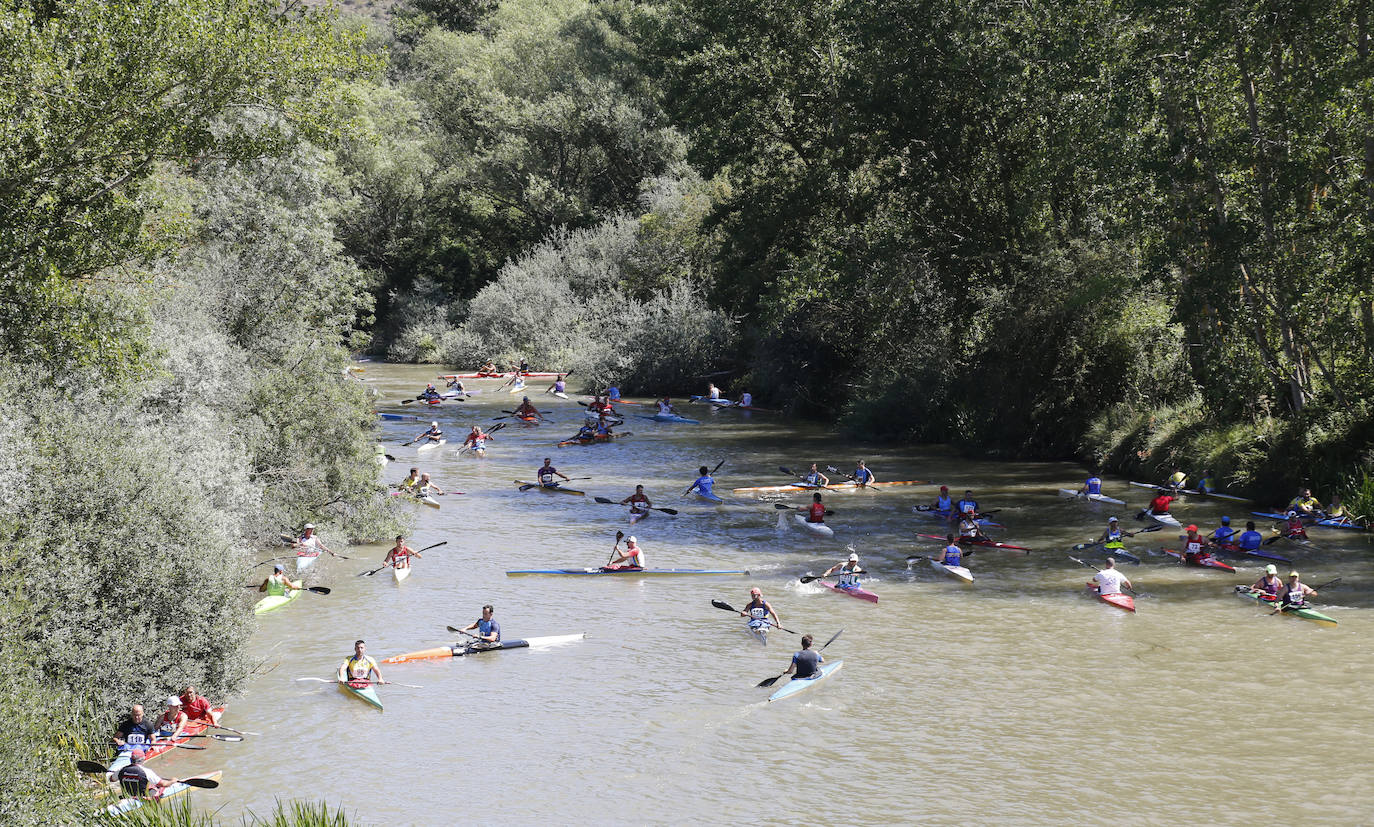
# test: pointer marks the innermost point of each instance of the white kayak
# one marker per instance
(305, 559)
(792, 687)
(432, 444)
(1097, 498)
(758, 632)
(636, 516)
(1166, 519)
(400, 573)
(819, 529)
(957, 572)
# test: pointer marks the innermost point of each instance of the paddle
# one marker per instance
(1082, 546)
(1095, 568)
(807, 578)
(235, 731)
(770, 681)
(315, 589)
(387, 683)
(385, 565)
(527, 486)
(462, 632)
(720, 604)
(619, 535)
(712, 474)
(786, 507)
(605, 501)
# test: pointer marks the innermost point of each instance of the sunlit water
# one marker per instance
(1017, 699)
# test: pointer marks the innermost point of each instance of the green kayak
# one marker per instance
(1304, 613)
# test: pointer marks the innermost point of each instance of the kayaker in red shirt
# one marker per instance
(1194, 547)
(1295, 530)
(1160, 504)
(815, 512)
(197, 708)
(400, 554)
(638, 501)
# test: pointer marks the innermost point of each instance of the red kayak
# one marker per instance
(1206, 562)
(500, 375)
(1121, 601)
(978, 541)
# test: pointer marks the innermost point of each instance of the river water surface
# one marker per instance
(1016, 700)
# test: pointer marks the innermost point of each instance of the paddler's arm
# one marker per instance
(626, 500)
(564, 476)
(776, 619)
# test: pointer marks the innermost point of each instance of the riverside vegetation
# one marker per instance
(1129, 234)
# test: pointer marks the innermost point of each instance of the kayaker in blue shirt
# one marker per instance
(806, 664)
(488, 630)
(968, 505)
(429, 393)
(1206, 484)
(815, 477)
(863, 476)
(1224, 533)
(952, 554)
(943, 503)
(1111, 538)
(1250, 539)
(613, 393)
(759, 610)
(703, 484)
(133, 732)
(1093, 485)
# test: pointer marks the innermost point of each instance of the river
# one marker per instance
(1016, 700)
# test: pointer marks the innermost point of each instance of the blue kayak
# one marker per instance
(792, 687)
(710, 498)
(663, 417)
(399, 417)
(1324, 522)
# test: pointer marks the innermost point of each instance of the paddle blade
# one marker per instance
(769, 681)
(787, 471)
(603, 500)
(669, 511)
(721, 604)
(319, 589)
(619, 535)
(833, 639)
(782, 506)
(203, 783)
(90, 766)
(230, 738)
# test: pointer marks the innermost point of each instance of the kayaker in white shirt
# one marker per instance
(425, 487)
(848, 570)
(434, 434)
(311, 543)
(632, 558)
(665, 406)
(746, 399)
(712, 392)
(1109, 580)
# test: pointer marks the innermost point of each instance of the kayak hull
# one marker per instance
(636, 516)
(363, 691)
(625, 572)
(306, 559)
(1097, 498)
(125, 805)
(818, 529)
(157, 748)
(1164, 519)
(431, 445)
(959, 573)
(1124, 602)
(1310, 615)
(273, 602)
(1324, 522)
(674, 418)
(757, 631)
(597, 440)
(551, 489)
(1192, 492)
(853, 591)
(1204, 563)
(838, 486)
(400, 573)
(710, 498)
(794, 686)
(978, 541)
(501, 375)
(459, 650)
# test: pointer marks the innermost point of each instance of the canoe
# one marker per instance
(273, 602)
(1304, 613)
(792, 687)
(957, 572)
(626, 572)
(400, 573)
(597, 440)
(1097, 498)
(978, 541)
(636, 516)
(362, 690)
(1205, 562)
(834, 486)
(432, 444)
(1192, 492)
(757, 631)
(461, 649)
(1122, 601)
(500, 375)
(819, 529)
(662, 417)
(1232, 548)
(1165, 519)
(1324, 522)
(306, 559)
(159, 746)
(710, 498)
(126, 805)
(853, 591)
(552, 489)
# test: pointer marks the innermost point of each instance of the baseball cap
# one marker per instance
(1270, 569)
(1192, 528)
(755, 590)
(853, 558)
(173, 701)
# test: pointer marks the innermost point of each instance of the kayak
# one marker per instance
(1097, 498)
(126, 805)
(500, 375)
(1208, 562)
(927, 511)
(757, 630)
(1304, 613)
(161, 745)
(425, 500)
(631, 572)
(663, 417)
(1122, 601)
(794, 686)
(518, 387)
(393, 417)
(1324, 522)
(819, 529)
(636, 516)
(957, 572)
(432, 444)
(710, 498)
(272, 602)
(978, 541)
(306, 559)
(1118, 550)
(1189, 491)
(560, 394)
(362, 690)
(836, 486)
(598, 439)
(853, 591)
(1166, 519)
(400, 573)
(462, 649)
(555, 488)
(529, 418)
(726, 403)
(1232, 548)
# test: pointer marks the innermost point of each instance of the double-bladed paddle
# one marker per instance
(527, 486)
(315, 589)
(770, 681)
(721, 604)
(605, 501)
(786, 507)
(807, 578)
(385, 565)
(203, 783)
(1083, 546)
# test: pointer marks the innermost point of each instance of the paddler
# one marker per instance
(815, 477)
(489, 367)
(1159, 505)
(197, 707)
(1194, 547)
(359, 666)
(429, 394)
(399, 555)
(411, 482)
(713, 392)
(477, 438)
(1294, 593)
(633, 558)
(703, 484)
(137, 781)
(848, 570)
(1109, 580)
(1092, 485)
(277, 583)
(1336, 511)
(943, 503)
(638, 501)
(862, 476)
(665, 407)
(968, 505)
(524, 368)
(1304, 503)
(488, 630)
(310, 543)
(746, 399)
(425, 487)
(612, 394)
(173, 719)
(432, 435)
(456, 385)
(526, 409)
(134, 731)
(815, 512)
(1294, 529)
(968, 528)
(1270, 583)
(559, 385)
(806, 664)
(1207, 484)
(951, 554)
(1250, 539)
(759, 610)
(1111, 538)
(1222, 536)
(546, 474)
(1177, 480)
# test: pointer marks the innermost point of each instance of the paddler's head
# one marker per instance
(278, 568)
(1192, 529)
(1225, 520)
(172, 702)
(944, 489)
(526, 400)
(639, 489)
(1271, 570)
(806, 641)
(816, 497)
(1293, 576)
(853, 558)
(704, 471)
(136, 712)
(631, 541)
(137, 756)
(755, 592)
(1249, 525)
(547, 460)
(1111, 562)
(359, 647)
(1113, 520)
